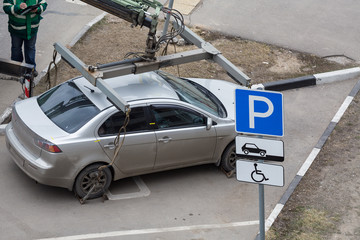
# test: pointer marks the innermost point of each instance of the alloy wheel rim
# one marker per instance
(96, 177)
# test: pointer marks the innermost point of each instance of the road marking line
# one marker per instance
(308, 162)
(144, 191)
(342, 109)
(153, 230)
(273, 216)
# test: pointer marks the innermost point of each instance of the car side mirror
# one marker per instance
(209, 123)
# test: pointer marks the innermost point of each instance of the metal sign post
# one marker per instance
(259, 113)
(261, 209)
(261, 174)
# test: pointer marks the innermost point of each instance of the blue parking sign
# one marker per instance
(259, 112)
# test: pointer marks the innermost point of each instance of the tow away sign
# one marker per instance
(260, 148)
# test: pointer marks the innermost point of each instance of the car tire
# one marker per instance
(90, 175)
(262, 153)
(246, 151)
(228, 158)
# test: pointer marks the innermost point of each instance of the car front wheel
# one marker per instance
(228, 159)
(92, 178)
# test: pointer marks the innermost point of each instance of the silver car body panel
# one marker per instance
(128, 163)
(46, 169)
(56, 169)
(130, 87)
(31, 114)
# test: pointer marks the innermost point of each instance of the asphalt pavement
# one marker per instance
(323, 28)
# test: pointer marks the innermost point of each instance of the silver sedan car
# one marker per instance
(64, 136)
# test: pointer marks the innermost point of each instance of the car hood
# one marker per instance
(33, 117)
(223, 90)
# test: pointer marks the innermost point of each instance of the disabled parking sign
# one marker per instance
(259, 112)
(260, 173)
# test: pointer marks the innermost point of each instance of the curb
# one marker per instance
(310, 80)
(86, 28)
(6, 114)
(312, 156)
(2, 129)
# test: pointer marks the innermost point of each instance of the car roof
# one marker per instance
(130, 87)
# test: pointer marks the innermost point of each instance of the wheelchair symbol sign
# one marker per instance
(260, 173)
(257, 175)
(259, 112)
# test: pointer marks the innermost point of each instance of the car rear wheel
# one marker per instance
(91, 177)
(228, 159)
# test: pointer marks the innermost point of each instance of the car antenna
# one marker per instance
(91, 90)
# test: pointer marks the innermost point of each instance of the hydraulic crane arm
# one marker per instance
(135, 12)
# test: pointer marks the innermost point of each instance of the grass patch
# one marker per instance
(305, 224)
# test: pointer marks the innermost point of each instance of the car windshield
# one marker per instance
(195, 94)
(67, 107)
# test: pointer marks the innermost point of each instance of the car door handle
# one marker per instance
(110, 146)
(165, 139)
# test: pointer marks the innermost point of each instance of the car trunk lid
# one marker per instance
(28, 113)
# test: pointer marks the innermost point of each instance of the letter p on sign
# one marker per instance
(259, 112)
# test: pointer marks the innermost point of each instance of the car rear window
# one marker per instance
(67, 107)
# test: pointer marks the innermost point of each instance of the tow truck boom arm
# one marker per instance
(134, 11)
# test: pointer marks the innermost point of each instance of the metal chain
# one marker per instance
(117, 142)
(116, 153)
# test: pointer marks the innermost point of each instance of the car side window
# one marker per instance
(113, 124)
(175, 117)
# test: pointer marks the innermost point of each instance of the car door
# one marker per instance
(138, 151)
(182, 137)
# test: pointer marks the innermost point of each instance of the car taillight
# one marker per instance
(47, 146)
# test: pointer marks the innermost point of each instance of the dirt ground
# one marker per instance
(326, 203)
